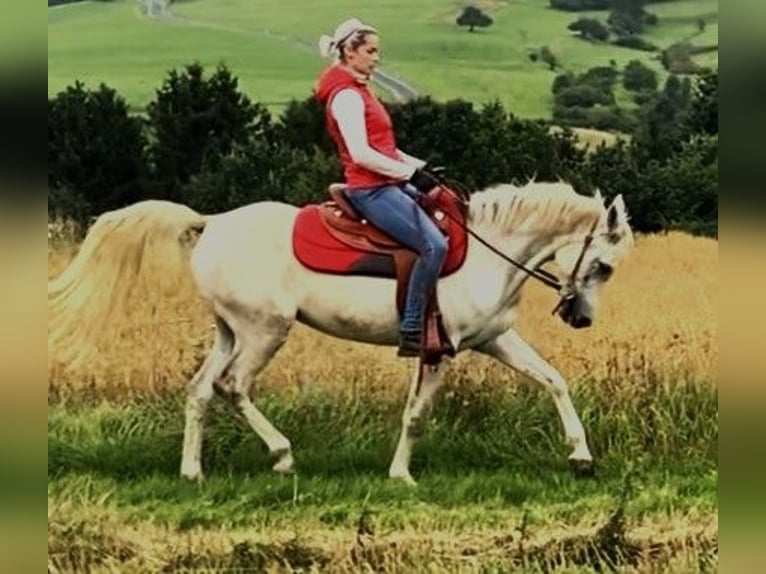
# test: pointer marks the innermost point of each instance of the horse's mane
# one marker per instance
(534, 207)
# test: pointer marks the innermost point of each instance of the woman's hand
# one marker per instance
(424, 180)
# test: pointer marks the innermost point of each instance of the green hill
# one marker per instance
(271, 46)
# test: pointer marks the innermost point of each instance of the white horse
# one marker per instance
(244, 267)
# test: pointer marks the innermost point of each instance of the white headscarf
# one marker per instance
(329, 45)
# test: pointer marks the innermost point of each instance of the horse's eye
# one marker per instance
(599, 271)
(604, 270)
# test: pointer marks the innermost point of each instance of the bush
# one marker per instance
(582, 96)
(588, 100)
(590, 28)
(643, 99)
(600, 77)
(562, 82)
(597, 117)
(635, 43)
(637, 77)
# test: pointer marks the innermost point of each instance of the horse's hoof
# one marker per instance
(196, 477)
(285, 464)
(582, 468)
(405, 478)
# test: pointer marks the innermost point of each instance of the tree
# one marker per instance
(473, 18)
(590, 28)
(638, 77)
(580, 5)
(703, 116)
(95, 152)
(628, 17)
(664, 121)
(547, 56)
(261, 170)
(195, 121)
(302, 126)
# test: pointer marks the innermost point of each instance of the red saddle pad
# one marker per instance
(318, 250)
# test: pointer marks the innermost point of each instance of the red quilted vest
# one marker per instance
(380, 131)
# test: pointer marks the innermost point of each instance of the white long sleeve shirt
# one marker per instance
(347, 108)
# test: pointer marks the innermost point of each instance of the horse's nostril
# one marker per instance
(581, 322)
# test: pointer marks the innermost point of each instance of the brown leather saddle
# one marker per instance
(344, 223)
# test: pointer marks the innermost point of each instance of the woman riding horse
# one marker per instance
(382, 181)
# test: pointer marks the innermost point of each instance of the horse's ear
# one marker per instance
(597, 195)
(616, 215)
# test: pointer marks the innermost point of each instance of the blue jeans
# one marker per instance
(393, 209)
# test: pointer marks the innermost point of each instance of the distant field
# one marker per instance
(271, 46)
(679, 21)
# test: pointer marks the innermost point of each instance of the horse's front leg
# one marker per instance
(510, 349)
(417, 408)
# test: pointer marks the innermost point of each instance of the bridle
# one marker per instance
(567, 291)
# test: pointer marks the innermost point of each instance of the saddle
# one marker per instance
(346, 225)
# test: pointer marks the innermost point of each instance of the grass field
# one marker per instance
(271, 46)
(494, 494)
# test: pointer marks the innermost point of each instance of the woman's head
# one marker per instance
(355, 44)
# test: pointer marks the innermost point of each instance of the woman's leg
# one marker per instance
(395, 212)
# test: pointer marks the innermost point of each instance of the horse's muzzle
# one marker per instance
(580, 321)
(571, 311)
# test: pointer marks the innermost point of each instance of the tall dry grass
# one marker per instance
(658, 316)
(93, 539)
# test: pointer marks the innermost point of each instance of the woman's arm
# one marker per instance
(410, 160)
(348, 109)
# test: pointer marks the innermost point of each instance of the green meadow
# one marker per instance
(271, 46)
(494, 493)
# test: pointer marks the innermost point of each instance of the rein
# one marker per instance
(566, 291)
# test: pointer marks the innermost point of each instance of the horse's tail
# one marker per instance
(142, 241)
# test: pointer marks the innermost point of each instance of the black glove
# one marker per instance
(424, 180)
(438, 171)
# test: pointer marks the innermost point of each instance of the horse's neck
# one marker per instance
(524, 222)
(529, 234)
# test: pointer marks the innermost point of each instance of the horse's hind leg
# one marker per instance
(199, 391)
(257, 341)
